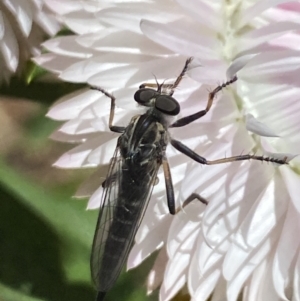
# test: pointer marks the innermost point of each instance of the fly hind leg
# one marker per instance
(113, 128)
(192, 197)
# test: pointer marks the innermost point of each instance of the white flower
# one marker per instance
(23, 25)
(246, 240)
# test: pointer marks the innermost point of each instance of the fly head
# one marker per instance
(164, 103)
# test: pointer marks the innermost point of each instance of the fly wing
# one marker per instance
(123, 204)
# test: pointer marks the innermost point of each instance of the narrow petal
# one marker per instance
(257, 127)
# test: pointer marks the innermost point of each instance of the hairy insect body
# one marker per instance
(140, 147)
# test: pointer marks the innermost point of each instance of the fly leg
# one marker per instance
(188, 152)
(173, 86)
(169, 185)
(188, 119)
(113, 128)
(192, 197)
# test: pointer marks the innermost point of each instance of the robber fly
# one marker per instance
(140, 151)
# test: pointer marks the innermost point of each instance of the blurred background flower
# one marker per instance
(24, 25)
(243, 243)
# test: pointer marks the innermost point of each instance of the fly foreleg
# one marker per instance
(188, 119)
(173, 86)
(113, 128)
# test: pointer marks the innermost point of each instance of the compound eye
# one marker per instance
(167, 105)
(144, 96)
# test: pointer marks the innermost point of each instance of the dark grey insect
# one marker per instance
(140, 151)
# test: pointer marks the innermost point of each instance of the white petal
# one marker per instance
(82, 22)
(287, 250)
(70, 106)
(54, 63)
(269, 208)
(67, 46)
(202, 13)
(181, 37)
(23, 13)
(103, 153)
(296, 292)
(206, 287)
(91, 184)
(291, 180)
(95, 200)
(277, 67)
(8, 45)
(257, 127)
(63, 7)
(175, 274)
(128, 15)
(237, 274)
(156, 274)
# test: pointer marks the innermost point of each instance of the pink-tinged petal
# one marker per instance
(255, 10)
(70, 106)
(128, 15)
(266, 34)
(181, 37)
(54, 63)
(202, 13)
(156, 274)
(286, 251)
(68, 46)
(277, 67)
(257, 127)
(292, 180)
